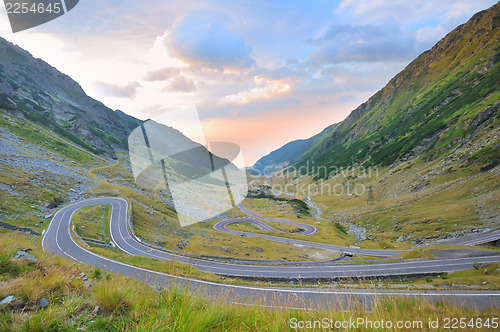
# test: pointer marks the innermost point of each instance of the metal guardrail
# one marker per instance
(398, 259)
(18, 228)
(93, 241)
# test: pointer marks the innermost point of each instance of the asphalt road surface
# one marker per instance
(306, 230)
(58, 240)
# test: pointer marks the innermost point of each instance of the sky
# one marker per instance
(260, 73)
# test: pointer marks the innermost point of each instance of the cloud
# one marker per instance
(427, 36)
(269, 89)
(121, 91)
(349, 99)
(363, 43)
(181, 84)
(162, 74)
(290, 69)
(153, 111)
(207, 43)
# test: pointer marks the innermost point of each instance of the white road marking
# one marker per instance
(253, 288)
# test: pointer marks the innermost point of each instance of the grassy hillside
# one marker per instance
(39, 170)
(411, 202)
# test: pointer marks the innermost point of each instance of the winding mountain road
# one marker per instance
(58, 240)
(306, 230)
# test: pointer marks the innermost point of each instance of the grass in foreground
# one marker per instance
(487, 276)
(128, 305)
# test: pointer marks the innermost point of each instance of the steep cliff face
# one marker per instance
(32, 89)
(444, 103)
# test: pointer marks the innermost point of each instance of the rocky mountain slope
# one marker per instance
(32, 89)
(443, 104)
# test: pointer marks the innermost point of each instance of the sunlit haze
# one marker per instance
(261, 73)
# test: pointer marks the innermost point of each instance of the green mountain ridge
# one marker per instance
(288, 153)
(446, 102)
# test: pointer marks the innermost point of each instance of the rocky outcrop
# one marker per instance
(32, 89)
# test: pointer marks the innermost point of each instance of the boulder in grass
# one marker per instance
(7, 300)
(43, 303)
(480, 266)
(97, 310)
(21, 254)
